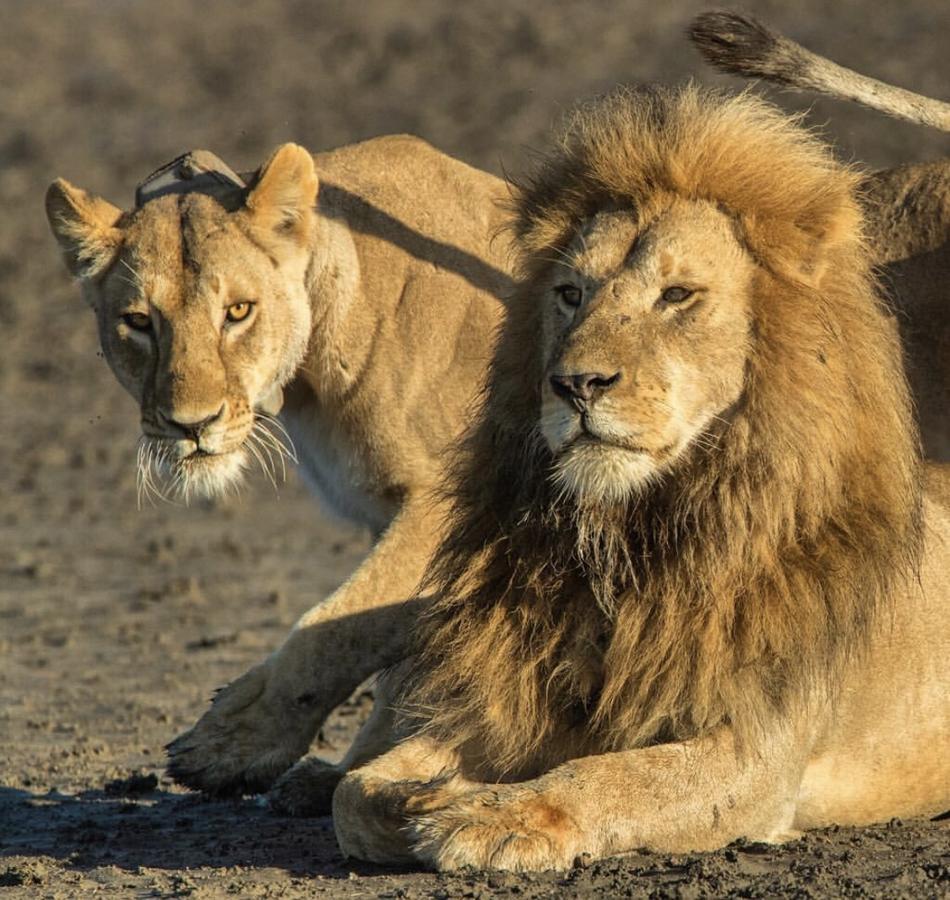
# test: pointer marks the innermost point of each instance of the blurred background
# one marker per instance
(116, 623)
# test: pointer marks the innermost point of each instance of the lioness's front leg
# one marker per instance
(260, 724)
(306, 789)
(673, 798)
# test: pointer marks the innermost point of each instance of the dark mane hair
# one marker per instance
(736, 586)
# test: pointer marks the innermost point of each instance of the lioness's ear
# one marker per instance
(84, 226)
(285, 191)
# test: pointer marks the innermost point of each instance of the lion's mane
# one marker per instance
(739, 584)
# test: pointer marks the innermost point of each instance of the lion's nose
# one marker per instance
(585, 387)
(191, 429)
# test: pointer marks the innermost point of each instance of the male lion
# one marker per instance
(361, 290)
(908, 208)
(692, 589)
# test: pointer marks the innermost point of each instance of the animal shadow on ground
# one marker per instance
(133, 824)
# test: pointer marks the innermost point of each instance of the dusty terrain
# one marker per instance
(116, 623)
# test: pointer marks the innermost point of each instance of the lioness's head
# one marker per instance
(203, 312)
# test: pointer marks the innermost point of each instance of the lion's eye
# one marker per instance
(238, 312)
(138, 321)
(571, 294)
(676, 294)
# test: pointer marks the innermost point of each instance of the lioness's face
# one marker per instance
(646, 331)
(202, 326)
(203, 316)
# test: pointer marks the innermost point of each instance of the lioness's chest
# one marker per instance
(336, 471)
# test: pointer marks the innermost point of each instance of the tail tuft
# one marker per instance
(741, 45)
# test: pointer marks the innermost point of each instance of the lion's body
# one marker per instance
(880, 755)
(374, 318)
(691, 590)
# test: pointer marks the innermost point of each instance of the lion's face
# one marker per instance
(203, 316)
(646, 335)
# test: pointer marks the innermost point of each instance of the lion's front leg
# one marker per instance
(671, 798)
(511, 826)
(260, 724)
(373, 804)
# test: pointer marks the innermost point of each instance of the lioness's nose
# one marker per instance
(190, 429)
(587, 386)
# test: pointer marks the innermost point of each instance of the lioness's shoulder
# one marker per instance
(397, 157)
(405, 166)
(401, 181)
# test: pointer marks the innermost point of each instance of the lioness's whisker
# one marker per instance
(275, 443)
(265, 449)
(250, 444)
(136, 281)
(284, 439)
(268, 443)
(148, 457)
(139, 476)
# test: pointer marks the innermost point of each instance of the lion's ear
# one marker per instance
(806, 250)
(285, 192)
(85, 227)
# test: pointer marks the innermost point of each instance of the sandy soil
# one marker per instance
(116, 624)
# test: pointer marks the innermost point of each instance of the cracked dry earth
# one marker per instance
(116, 623)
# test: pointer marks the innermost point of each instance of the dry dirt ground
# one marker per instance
(115, 623)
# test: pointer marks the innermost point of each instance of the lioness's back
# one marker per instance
(423, 190)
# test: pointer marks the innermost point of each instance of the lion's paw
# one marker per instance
(489, 830)
(306, 789)
(243, 742)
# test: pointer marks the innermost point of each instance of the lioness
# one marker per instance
(357, 292)
(692, 588)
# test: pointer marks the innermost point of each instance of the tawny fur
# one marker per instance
(738, 585)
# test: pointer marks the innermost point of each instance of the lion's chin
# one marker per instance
(593, 471)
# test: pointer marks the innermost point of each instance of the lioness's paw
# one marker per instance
(306, 789)
(243, 742)
(489, 830)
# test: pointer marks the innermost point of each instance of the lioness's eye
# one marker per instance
(571, 294)
(676, 294)
(238, 312)
(138, 321)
